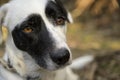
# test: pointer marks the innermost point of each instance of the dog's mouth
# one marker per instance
(52, 66)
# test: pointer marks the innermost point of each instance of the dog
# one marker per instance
(36, 45)
(36, 39)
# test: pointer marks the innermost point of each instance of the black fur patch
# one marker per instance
(38, 43)
(55, 10)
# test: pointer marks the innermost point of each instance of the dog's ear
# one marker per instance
(3, 11)
(70, 19)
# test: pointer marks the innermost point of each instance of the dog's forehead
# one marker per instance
(19, 10)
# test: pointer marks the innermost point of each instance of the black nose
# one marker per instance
(61, 56)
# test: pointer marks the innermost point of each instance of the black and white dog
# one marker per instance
(36, 42)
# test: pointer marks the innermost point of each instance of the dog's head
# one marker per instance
(38, 28)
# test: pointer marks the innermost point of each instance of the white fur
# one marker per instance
(81, 62)
(70, 18)
(21, 9)
(7, 75)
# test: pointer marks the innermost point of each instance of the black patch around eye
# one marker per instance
(28, 41)
(38, 43)
(55, 10)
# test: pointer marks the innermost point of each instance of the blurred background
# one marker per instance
(95, 31)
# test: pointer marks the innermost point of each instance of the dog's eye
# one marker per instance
(60, 21)
(27, 30)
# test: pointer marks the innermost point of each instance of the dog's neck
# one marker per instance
(29, 71)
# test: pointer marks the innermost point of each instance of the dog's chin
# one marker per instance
(53, 66)
(56, 67)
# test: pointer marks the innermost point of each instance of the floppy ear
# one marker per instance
(3, 11)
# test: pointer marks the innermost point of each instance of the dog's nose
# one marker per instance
(61, 56)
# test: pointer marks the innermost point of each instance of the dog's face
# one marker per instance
(38, 28)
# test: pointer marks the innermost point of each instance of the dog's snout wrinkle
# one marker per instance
(60, 56)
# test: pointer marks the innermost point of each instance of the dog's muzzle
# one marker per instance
(61, 56)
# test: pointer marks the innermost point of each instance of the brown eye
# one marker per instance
(27, 30)
(60, 21)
